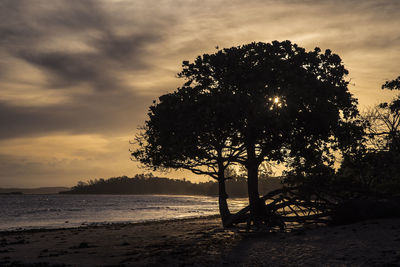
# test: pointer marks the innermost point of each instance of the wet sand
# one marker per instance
(203, 242)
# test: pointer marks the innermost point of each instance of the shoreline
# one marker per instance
(105, 224)
(204, 242)
(65, 212)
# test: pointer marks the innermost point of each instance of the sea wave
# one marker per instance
(65, 211)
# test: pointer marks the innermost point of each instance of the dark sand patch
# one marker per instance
(203, 242)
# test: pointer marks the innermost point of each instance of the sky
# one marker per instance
(77, 77)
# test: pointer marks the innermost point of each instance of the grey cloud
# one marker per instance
(17, 171)
(107, 113)
(113, 54)
(28, 29)
(125, 48)
(119, 36)
(75, 15)
(65, 69)
(112, 51)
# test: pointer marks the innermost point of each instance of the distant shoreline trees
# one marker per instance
(149, 184)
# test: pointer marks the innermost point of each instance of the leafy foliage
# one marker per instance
(277, 94)
(245, 105)
(374, 166)
(186, 131)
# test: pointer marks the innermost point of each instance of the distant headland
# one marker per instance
(149, 184)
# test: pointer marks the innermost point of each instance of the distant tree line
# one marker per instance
(149, 184)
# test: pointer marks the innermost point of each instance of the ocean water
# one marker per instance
(65, 211)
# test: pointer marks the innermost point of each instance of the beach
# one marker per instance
(203, 242)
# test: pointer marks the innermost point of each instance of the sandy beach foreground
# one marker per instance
(203, 242)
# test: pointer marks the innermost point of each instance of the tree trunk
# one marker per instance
(223, 204)
(256, 204)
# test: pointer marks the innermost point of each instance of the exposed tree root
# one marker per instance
(283, 206)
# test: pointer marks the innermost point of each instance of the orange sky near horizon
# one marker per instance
(77, 77)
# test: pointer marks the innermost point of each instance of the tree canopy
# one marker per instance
(249, 104)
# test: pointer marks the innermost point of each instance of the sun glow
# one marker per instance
(276, 102)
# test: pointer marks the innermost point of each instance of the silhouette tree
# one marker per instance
(189, 130)
(388, 118)
(285, 102)
(250, 104)
(376, 163)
